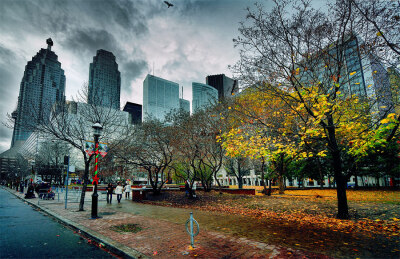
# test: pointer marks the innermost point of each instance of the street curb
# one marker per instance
(110, 244)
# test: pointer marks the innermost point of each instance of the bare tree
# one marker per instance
(71, 123)
(49, 161)
(149, 147)
(199, 151)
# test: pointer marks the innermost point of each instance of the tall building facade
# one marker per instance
(226, 86)
(42, 85)
(104, 80)
(135, 112)
(394, 79)
(202, 96)
(184, 105)
(160, 97)
(361, 73)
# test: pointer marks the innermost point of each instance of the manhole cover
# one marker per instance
(132, 228)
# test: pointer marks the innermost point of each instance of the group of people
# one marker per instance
(119, 190)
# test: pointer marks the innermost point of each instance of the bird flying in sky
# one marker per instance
(168, 3)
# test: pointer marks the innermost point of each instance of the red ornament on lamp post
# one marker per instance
(95, 197)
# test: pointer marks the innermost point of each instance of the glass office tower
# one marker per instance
(104, 80)
(184, 105)
(42, 85)
(202, 96)
(160, 97)
(226, 86)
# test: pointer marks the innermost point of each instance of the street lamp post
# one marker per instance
(97, 128)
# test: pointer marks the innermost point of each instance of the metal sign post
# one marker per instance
(66, 161)
(189, 228)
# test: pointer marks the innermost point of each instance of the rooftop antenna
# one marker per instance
(182, 91)
(153, 68)
(49, 42)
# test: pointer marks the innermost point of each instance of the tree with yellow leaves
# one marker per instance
(303, 60)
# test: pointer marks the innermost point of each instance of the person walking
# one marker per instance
(118, 192)
(21, 187)
(127, 189)
(110, 188)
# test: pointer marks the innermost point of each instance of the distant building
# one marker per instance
(104, 80)
(394, 79)
(42, 85)
(135, 112)
(118, 122)
(226, 86)
(361, 73)
(202, 96)
(160, 97)
(9, 166)
(184, 105)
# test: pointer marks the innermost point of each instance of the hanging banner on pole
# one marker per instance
(90, 148)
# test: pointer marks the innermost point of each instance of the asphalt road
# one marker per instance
(27, 233)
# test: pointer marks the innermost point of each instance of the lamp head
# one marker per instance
(97, 128)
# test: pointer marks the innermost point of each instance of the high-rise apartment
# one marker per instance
(42, 85)
(202, 96)
(160, 97)
(226, 86)
(104, 80)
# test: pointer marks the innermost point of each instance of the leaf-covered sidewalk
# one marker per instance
(305, 219)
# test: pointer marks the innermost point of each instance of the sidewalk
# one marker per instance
(159, 238)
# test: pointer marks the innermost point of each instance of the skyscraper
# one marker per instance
(361, 73)
(135, 112)
(104, 80)
(226, 86)
(184, 105)
(160, 97)
(202, 96)
(394, 79)
(42, 85)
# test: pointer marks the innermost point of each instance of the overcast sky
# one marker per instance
(185, 43)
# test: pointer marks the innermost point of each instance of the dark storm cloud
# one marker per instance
(59, 15)
(8, 71)
(90, 40)
(131, 70)
(130, 15)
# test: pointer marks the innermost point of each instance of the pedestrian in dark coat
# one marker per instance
(110, 189)
(187, 188)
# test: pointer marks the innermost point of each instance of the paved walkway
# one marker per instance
(159, 237)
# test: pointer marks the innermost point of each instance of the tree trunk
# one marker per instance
(281, 186)
(321, 175)
(219, 184)
(240, 181)
(85, 182)
(263, 176)
(343, 209)
(281, 173)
